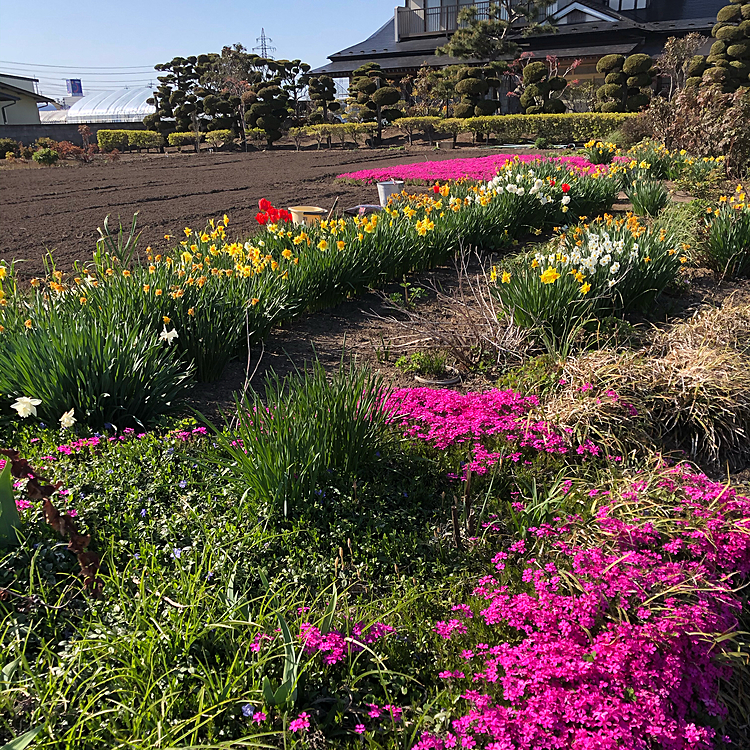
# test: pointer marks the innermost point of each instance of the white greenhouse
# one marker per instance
(124, 105)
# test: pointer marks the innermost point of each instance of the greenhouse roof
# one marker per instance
(124, 105)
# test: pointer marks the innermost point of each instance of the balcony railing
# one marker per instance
(433, 20)
(443, 20)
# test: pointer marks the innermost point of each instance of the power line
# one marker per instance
(77, 67)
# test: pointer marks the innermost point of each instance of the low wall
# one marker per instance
(27, 134)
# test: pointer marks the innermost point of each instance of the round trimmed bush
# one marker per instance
(636, 64)
(739, 69)
(745, 28)
(612, 107)
(697, 66)
(728, 13)
(740, 50)
(557, 83)
(610, 63)
(718, 48)
(534, 110)
(553, 107)
(745, 10)
(486, 107)
(610, 91)
(268, 122)
(637, 102)
(693, 82)
(640, 81)
(391, 114)
(526, 100)
(463, 110)
(471, 87)
(618, 79)
(716, 75)
(386, 96)
(722, 61)
(730, 34)
(365, 85)
(534, 72)
(715, 29)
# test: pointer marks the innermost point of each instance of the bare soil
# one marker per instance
(60, 208)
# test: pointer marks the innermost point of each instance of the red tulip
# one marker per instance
(565, 187)
(264, 205)
(261, 218)
(436, 187)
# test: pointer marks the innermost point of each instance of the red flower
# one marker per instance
(261, 218)
(436, 187)
(284, 215)
(551, 182)
(264, 205)
(273, 215)
(565, 187)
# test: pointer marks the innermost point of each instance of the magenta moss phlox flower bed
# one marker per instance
(477, 168)
(446, 418)
(612, 647)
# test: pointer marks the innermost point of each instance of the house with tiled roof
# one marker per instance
(584, 30)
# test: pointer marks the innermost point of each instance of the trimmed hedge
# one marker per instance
(570, 127)
(186, 138)
(109, 140)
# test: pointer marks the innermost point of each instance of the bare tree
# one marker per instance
(677, 55)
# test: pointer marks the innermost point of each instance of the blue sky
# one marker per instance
(100, 34)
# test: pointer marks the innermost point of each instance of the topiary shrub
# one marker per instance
(538, 87)
(627, 85)
(8, 146)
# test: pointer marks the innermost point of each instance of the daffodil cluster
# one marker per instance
(605, 267)
(727, 248)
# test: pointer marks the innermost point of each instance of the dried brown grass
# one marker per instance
(690, 387)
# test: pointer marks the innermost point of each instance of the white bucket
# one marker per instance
(387, 189)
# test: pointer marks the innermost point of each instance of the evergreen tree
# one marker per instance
(728, 65)
(371, 91)
(495, 36)
(322, 91)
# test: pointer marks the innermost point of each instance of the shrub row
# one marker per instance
(109, 140)
(573, 127)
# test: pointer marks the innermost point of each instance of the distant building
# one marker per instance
(123, 105)
(19, 100)
(585, 30)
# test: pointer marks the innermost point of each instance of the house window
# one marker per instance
(628, 4)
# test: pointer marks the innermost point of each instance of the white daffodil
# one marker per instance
(168, 336)
(520, 191)
(67, 420)
(565, 200)
(615, 267)
(512, 188)
(25, 406)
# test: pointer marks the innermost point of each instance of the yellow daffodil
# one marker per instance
(188, 231)
(82, 300)
(147, 288)
(550, 276)
(585, 288)
(287, 253)
(340, 244)
(254, 301)
(323, 245)
(535, 263)
(506, 277)
(28, 324)
(191, 311)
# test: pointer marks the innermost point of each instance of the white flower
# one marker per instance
(25, 406)
(565, 200)
(168, 336)
(521, 191)
(67, 420)
(615, 267)
(611, 283)
(512, 188)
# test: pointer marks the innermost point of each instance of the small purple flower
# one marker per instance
(183, 483)
(176, 553)
(143, 512)
(247, 710)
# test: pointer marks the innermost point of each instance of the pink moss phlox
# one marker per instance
(445, 418)
(334, 645)
(582, 676)
(478, 168)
